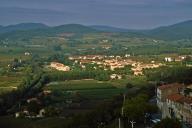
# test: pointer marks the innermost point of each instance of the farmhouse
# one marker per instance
(168, 59)
(27, 53)
(180, 58)
(59, 66)
(115, 76)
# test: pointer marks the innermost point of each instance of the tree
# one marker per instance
(33, 107)
(51, 111)
(137, 107)
(129, 85)
(180, 74)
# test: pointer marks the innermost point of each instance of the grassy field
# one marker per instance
(79, 85)
(7, 54)
(136, 81)
(8, 83)
(94, 89)
(10, 57)
(91, 89)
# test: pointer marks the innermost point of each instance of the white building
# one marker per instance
(127, 55)
(115, 76)
(168, 59)
(27, 54)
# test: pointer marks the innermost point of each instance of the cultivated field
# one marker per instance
(9, 83)
(91, 89)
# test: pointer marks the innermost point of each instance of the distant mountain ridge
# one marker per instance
(22, 27)
(182, 30)
(74, 28)
(109, 28)
(28, 32)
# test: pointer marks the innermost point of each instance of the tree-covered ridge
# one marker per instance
(24, 31)
(21, 27)
(172, 32)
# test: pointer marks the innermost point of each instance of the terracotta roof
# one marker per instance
(85, 61)
(180, 98)
(175, 97)
(166, 86)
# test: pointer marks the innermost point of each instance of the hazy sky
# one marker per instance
(120, 13)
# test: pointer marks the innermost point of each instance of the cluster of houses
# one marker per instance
(114, 62)
(176, 59)
(87, 57)
(28, 114)
(59, 66)
(175, 101)
(24, 111)
(138, 67)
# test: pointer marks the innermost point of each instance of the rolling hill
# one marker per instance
(22, 27)
(177, 31)
(73, 28)
(108, 28)
(182, 30)
(47, 31)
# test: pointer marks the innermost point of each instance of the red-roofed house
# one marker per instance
(163, 92)
(174, 103)
(180, 107)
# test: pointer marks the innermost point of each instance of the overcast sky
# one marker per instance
(138, 14)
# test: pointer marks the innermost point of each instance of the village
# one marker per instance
(114, 62)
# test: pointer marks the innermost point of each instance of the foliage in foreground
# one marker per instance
(136, 108)
(181, 74)
(168, 123)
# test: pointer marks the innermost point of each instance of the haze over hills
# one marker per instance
(109, 28)
(173, 32)
(22, 26)
(73, 28)
(44, 30)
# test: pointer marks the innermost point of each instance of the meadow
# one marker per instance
(91, 89)
(9, 83)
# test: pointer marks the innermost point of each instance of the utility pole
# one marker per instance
(119, 122)
(122, 110)
(132, 123)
